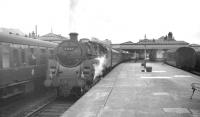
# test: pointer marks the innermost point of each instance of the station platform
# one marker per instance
(128, 92)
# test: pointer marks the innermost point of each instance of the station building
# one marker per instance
(154, 48)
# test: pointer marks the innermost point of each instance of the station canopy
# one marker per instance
(151, 44)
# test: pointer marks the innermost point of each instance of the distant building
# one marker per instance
(168, 37)
(52, 38)
(32, 35)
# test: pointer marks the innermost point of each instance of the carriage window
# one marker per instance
(32, 50)
(43, 51)
(32, 57)
(5, 58)
(51, 56)
(23, 56)
(16, 58)
(43, 57)
(51, 52)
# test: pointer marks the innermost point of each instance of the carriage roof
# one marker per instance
(17, 39)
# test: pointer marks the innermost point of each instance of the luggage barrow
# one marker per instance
(195, 86)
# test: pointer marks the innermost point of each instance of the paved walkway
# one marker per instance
(128, 92)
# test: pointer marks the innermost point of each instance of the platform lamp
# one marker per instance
(145, 51)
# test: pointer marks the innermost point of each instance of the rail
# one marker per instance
(34, 111)
(51, 108)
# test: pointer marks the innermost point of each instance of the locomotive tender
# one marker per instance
(23, 65)
(80, 63)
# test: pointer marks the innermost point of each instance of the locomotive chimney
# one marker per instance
(73, 36)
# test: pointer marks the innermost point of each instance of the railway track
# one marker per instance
(18, 107)
(52, 108)
(46, 106)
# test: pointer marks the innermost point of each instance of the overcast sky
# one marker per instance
(118, 20)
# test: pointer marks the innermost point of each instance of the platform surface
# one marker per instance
(128, 92)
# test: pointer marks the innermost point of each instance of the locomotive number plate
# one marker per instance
(69, 48)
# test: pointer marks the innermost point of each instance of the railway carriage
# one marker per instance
(197, 67)
(197, 51)
(23, 64)
(183, 57)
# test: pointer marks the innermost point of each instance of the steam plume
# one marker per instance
(99, 66)
(73, 4)
(72, 13)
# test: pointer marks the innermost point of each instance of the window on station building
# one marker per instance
(5, 57)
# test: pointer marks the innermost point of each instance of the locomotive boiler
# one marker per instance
(80, 63)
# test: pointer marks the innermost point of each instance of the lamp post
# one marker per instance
(145, 53)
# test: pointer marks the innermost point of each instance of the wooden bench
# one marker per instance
(195, 87)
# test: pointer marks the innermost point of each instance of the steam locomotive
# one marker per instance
(23, 65)
(81, 63)
(186, 58)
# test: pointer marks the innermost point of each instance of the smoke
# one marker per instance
(99, 66)
(72, 15)
(73, 4)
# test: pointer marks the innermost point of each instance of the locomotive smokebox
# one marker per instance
(73, 36)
